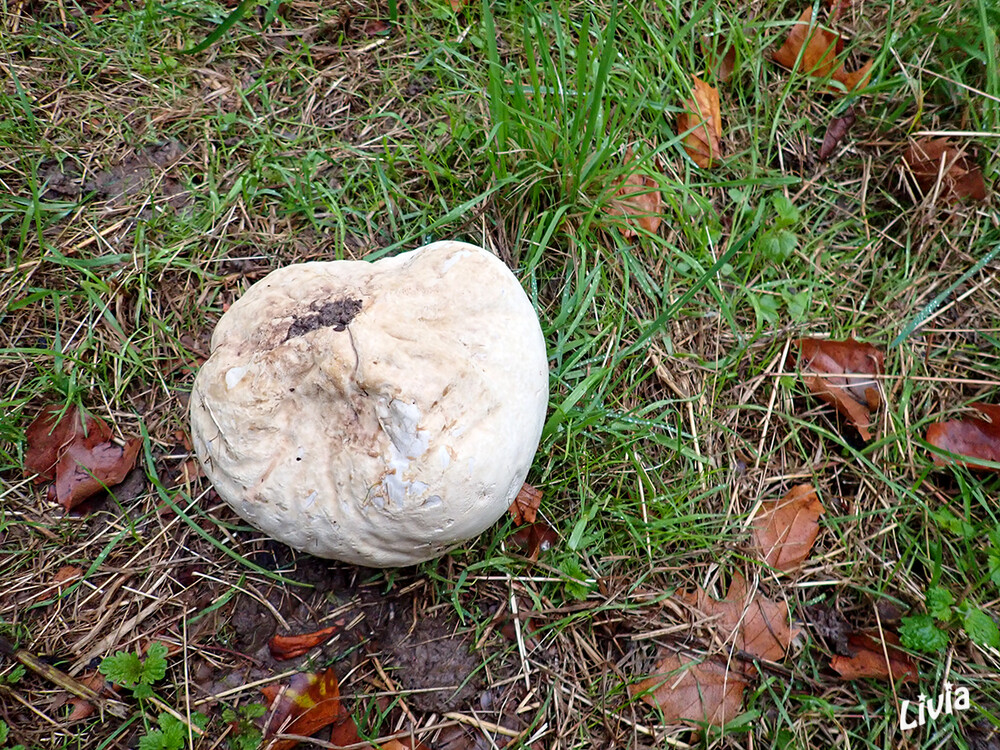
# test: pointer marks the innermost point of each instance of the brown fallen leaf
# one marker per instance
(533, 539)
(785, 530)
(524, 509)
(869, 659)
(838, 8)
(52, 431)
(835, 133)
(290, 646)
(638, 199)
(939, 164)
(702, 117)
(760, 626)
(689, 690)
(819, 49)
(83, 472)
(66, 575)
(719, 65)
(78, 453)
(845, 375)
(81, 708)
(309, 702)
(969, 436)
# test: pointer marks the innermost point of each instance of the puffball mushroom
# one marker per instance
(376, 413)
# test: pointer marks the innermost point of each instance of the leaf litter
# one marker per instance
(972, 437)
(306, 703)
(785, 530)
(938, 164)
(78, 453)
(754, 624)
(701, 116)
(836, 131)
(637, 199)
(845, 375)
(813, 50)
(690, 689)
(875, 655)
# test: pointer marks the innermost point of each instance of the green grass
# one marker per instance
(320, 136)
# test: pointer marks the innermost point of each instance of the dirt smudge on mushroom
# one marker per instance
(336, 315)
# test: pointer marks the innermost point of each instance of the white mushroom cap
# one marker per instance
(377, 413)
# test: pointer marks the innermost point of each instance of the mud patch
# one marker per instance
(434, 663)
(146, 173)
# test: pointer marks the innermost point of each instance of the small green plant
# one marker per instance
(172, 734)
(246, 734)
(5, 734)
(929, 632)
(132, 671)
(14, 676)
(779, 241)
(138, 674)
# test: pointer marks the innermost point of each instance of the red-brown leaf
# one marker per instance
(289, 646)
(67, 574)
(835, 132)
(310, 702)
(49, 435)
(845, 375)
(869, 659)
(533, 539)
(969, 436)
(932, 159)
(86, 470)
(689, 690)
(524, 509)
(785, 530)
(753, 623)
(638, 199)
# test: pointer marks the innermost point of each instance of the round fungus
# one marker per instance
(377, 413)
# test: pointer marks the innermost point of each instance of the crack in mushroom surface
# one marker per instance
(378, 413)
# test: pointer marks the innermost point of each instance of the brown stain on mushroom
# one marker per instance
(337, 315)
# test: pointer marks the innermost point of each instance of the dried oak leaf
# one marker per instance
(701, 116)
(689, 690)
(785, 530)
(760, 625)
(969, 436)
(819, 49)
(309, 702)
(638, 199)
(524, 509)
(78, 453)
(721, 66)
(844, 374)
(838, 128)
(869, 659)
(290, 646)
(934, 161)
